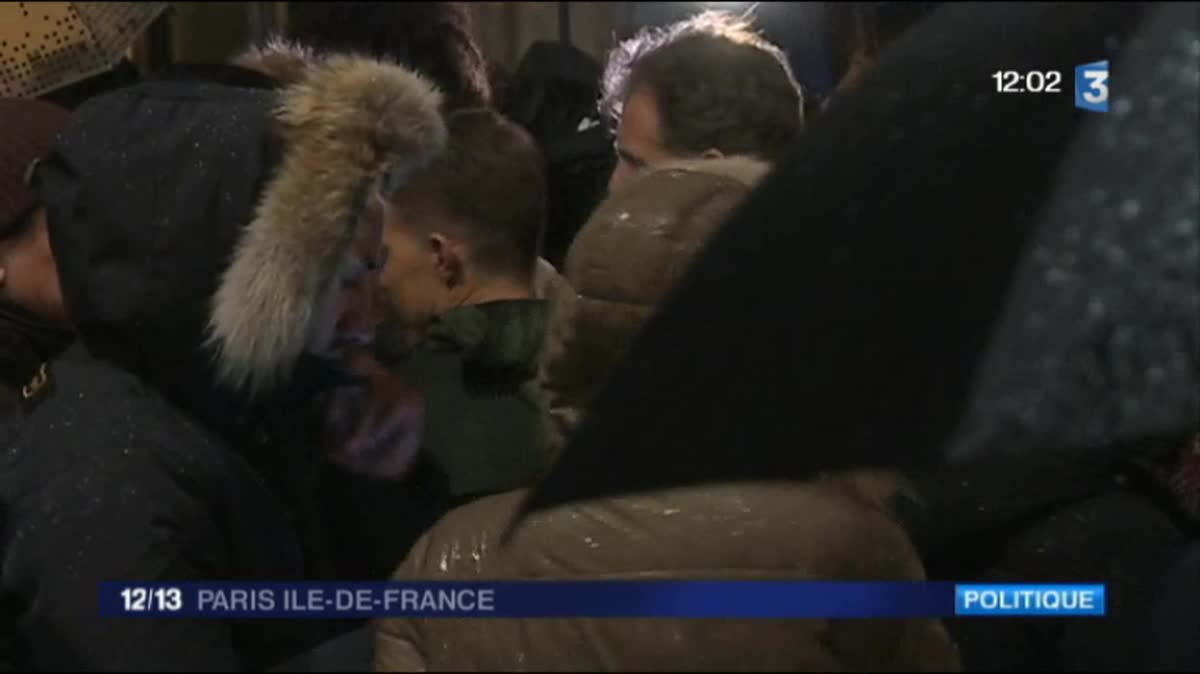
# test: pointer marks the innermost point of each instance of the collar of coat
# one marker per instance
(504, 336)
(743, 168)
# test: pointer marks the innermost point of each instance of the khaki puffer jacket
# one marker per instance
(828, 529)
(621, 265)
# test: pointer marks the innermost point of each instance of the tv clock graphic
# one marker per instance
(1091, 84)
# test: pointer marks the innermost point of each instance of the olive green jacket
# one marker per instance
(476, 368)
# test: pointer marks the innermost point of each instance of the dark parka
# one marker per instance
(196, 227)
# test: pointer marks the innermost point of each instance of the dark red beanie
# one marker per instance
(27, 130)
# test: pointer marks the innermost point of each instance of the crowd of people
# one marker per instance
(352, 307)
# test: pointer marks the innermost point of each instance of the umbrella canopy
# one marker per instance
(1098, 344)
(47, 45)
(939, 272)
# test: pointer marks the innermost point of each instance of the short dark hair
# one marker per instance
(433, 38)
(492, 181)
(717, 82)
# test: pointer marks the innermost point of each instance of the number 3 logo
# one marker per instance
(1091, 86)
(1097, 86)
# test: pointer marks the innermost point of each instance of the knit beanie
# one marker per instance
(27, 129)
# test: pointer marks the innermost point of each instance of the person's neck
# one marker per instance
(497, 290)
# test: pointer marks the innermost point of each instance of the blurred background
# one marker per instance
(199, 32)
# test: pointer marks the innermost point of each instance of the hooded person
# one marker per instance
(213, 257)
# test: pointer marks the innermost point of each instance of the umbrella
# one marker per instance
(47, 45)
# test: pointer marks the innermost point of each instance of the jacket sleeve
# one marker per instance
(118, 515)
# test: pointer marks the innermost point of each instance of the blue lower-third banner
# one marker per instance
(595, 599)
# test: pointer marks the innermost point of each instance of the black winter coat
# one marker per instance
(190, 270)
(145, 495)
(1082, 519)
(106, 477)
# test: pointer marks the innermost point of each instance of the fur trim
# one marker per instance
(283, 61)
(744, 169)
(344, 125)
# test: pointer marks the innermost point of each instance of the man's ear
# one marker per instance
(713, 153)
(447, 259)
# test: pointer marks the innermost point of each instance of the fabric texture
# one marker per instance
(622, 264)
(477, 366)
(104, 480)
(735, 531)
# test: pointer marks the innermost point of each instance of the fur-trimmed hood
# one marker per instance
(283, 61)
(196, 226)
(344, 125)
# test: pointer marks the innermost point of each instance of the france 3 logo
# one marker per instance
(1091, 86)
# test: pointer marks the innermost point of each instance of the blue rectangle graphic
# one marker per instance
(531, 599)
(1091, 86)
(597, 599)
(1029, 600)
